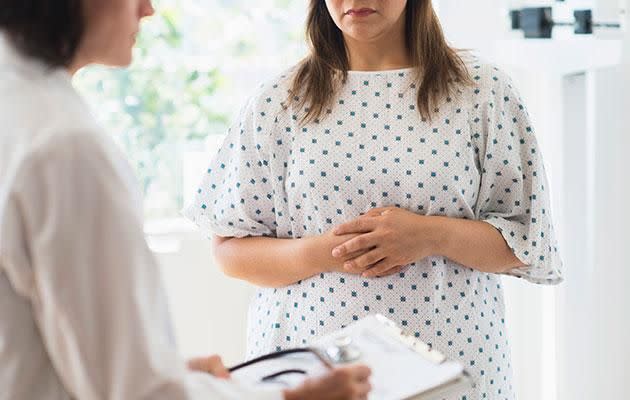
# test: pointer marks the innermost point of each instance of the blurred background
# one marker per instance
(198, 61)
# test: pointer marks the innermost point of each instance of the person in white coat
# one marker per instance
(83, 311)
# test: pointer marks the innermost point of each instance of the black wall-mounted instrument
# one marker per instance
(537, 22)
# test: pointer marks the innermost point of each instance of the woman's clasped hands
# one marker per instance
(384, 241)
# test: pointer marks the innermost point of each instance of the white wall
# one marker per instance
(595, 324)
(209, 310)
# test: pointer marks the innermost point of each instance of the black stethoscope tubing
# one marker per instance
(272, 356)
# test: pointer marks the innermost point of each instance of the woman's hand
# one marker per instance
(346, 383)
(212, 365)
(319, 248)
(388, 239)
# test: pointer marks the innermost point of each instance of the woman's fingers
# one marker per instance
(363, 262)
(363, 390)
(359, 243)
(355, 381)
(361, 372)
(362, 224)
(381, 268)
(212, 365)
(362, 386)
(375, 212)
(396, 270)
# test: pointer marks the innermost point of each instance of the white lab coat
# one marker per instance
(83, 313)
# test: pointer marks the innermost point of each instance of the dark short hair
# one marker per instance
(48, 30)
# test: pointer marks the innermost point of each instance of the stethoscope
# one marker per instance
(342, 351)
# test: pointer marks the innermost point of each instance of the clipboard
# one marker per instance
(403, 368)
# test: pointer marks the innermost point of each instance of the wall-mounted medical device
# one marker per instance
(538, 22)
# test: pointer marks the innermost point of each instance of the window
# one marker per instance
(196, 62)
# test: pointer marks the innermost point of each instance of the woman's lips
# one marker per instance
(362, 12)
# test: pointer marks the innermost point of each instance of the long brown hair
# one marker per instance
(322, 72)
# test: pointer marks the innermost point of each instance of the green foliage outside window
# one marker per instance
(177, 91)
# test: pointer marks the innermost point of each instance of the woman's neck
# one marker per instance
(73, 69)
(383, 54)
(76, 64)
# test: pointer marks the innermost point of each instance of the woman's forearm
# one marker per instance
(274, 262)
(475, 244)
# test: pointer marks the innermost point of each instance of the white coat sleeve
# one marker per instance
(98, 298)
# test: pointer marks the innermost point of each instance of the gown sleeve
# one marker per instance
(236, 195)
(514, 193)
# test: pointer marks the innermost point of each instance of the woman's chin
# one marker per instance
(363, 34)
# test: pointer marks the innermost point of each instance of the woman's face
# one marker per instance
(111, 30)
(368, 20)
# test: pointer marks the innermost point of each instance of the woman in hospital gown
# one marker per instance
(474, 170)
